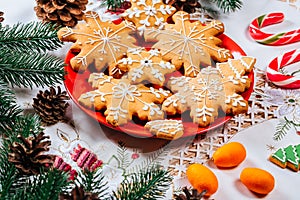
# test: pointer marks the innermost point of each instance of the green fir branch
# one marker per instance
(7, 174)
(25, 125)
(93, 182)
(34, 36)
(46, 185)
(228, 5)
(9, 110)
(29, 69)
(113, 5)
(282, 128)
(150, 184)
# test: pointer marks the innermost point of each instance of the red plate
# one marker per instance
(76, 84)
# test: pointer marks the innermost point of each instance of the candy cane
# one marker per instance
(278, 78)
(269, 38)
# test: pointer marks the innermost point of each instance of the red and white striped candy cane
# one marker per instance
(278, 78)
(270, 38)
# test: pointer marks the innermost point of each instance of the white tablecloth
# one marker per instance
(176, 155)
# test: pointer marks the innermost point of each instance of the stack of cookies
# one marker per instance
(156, 64)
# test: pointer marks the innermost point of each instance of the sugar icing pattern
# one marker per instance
(123, 99)
(288, 156)
(102, 42)
(148, 13)
(167, 128)
(190, 41)
(145, 65)
(205, 94)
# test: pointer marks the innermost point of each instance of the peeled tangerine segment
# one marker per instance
(202, 178)
(257, 180)
(229, 155)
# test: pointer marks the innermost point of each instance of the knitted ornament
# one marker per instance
(51, 105)
(28, 155)
(189, 6)
(62, 12)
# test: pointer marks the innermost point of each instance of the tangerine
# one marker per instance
(202, 178)
(257, 180)
(229, 155)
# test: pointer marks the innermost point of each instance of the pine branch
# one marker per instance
(7, 174)
(282, 128)
(149, 184)
(46, 185)
(24, 125)
(34, 36)
(93, 183)
(228, 5)
(9, 109)
(113, 4)
(28, 69)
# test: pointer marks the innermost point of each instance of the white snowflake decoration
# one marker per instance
(122, 100)
(148, 13)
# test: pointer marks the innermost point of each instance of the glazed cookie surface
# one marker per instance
(98, 42)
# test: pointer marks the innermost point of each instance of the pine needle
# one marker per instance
(150, 184)
(9, 109)
(93, 182)
(33, 36)
(228, 5)
(29, 69)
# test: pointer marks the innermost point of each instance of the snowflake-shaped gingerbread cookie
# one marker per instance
(122, 100)
(98, 42)
(144, 66)
(213, 89)
(189, 43)
(148, 13)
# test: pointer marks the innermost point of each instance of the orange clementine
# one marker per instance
(202, 178)
(229, 155)
(257, 180)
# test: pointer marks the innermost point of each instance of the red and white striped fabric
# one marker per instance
(278, 78)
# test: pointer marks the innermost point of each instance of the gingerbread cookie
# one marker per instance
(121, 100)
(145, 66)
(211, 90)
(189, 43)
(98, 42)
(287, 157)
(166, 129)
(148, 13)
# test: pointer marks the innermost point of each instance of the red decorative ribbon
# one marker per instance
(270, 38)
(275, 74)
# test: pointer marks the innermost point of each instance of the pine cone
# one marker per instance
(195, 195)
(189, 6)
(78, 193)
(29, 154)
(62, 12)
(1, 18)
(51, 106)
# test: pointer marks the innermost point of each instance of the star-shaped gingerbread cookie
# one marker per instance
(98, 42)
(189, 43)
(145, 66)
(122, 100)
(148, 13)
(213, 89)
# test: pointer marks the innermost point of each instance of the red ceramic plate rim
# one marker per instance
(76, 84)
